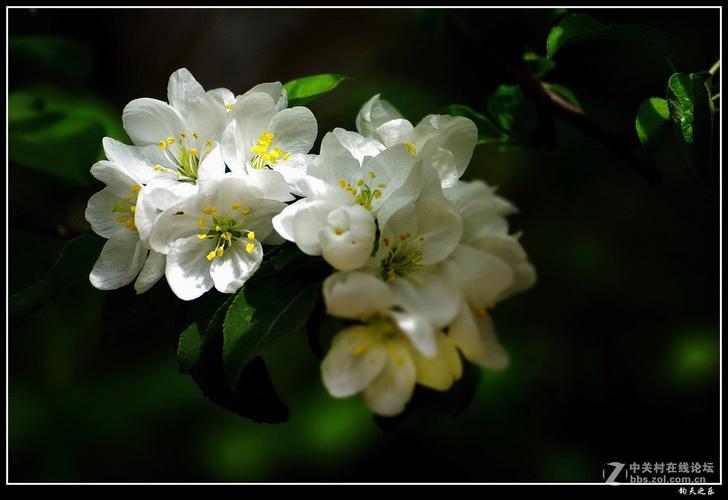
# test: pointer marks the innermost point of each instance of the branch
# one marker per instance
(558, 106)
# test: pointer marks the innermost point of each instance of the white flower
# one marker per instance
(111, 213)
(263, 134)
(389, 353)
(444, 142)
(214, 238)
(344, 189)
(488, 265)
(417, 235)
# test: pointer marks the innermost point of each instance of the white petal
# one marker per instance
(508, 249)
(183, 91)
(476, 338)
(441, 227)
(223, 95)
(261, 220)
(206, 118)
(359, 147)
(456, 134)
(373, 114)
(119, 262)
(294, 130)
(232, 269)
(187, 269)
(356, 295)
(293, 171)
(155, 198)
(309, 219)
(271, 183)
(439, 372)
(388, 394)
(116, 178)
(443, 162)
(429, 292)
(176, 222)
(148, 121)
(283, 222)
(353, 361)
(395, 132)
(130, 158)
(347, 239)
(100, 214)
(251, 116)
(418, 330)
(273, 89)
(212, 165)
(481, 276)
(152, 271)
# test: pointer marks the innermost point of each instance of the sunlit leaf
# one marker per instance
(653, 118)
(576, 28)
(304, 90)
(537, 65)
(691, 111)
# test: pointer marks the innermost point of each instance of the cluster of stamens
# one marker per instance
(402, 258)
(128, 208)
(379, 329)
(264, 155)
(225, 230)
(186, 153)
(362, 192)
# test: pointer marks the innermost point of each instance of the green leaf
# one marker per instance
(255, 397)
(488, 132)
(653, 117)
(50, 56)
(514, 114)
(691, 111)
(582, 27)
(304, 90)
(563, 92)
(263, 312)
(74, 263)
(537, 65)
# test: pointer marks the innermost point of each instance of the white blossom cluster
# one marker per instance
(418, 255)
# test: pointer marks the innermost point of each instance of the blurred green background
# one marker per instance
(614, 352)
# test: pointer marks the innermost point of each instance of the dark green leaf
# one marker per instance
(73, 265)
(488, 132)
(563, 92)
(264, 311)
(255, 397)
(50, 56)
(304, 90)
(653, 117)
(514, 114)
(537, 65)
(691, 111)
(582, 27)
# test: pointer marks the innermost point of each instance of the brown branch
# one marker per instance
(561, 108)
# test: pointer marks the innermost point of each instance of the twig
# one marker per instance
(558, 106)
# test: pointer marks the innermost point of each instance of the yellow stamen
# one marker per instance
(360, 349)
(210, 210)
(202, 236)
(170, 140)
(236, 206)
(411, 148)
(219, 251)
(339, 231)
(202, 222)
(135, 187)
(193, 151)
(342, 182)
(360, 182)
(229, 106)
(162, 145)
(372, 174)
(211, 255)
(122, 219)
(377, 194)
(246, 211)
(250, 247)
(251, 235)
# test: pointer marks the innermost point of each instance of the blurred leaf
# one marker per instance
(582, 27)
(59, 133)
(74, 264)
(304, 90)
(189, 348)
(563, 92)
(691, 110)
(51, 56)
(537, 65)
(488, 132)
(264, 311)
(653, 118)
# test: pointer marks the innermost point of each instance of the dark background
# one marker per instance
(614, 352)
